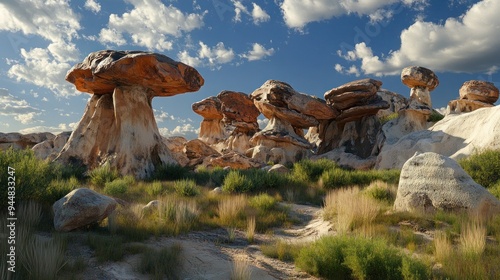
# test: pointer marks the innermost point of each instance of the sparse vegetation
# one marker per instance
(161, 263)
(251, 229)
(390, 117)
(186, 187)
(119, 186)
(241, 270)
(101, 175)
(483, 167)
(237, 182)
(435, 117)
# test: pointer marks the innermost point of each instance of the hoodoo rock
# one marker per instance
(118, 126)
(421, 81)
(289, 113)
(474, 95)
(211, 127)
(353, 133)
(240, 120)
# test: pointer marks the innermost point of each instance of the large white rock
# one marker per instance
(430, 181)
(81, 207)
(456, 136)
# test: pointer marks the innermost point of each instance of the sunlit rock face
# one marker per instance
(473, 95)
(118, 126)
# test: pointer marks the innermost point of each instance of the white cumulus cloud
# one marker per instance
(186, 130)
(20, 109)
(258, 52)
(464, 44)
(149, 24)
(213, 57)
(259, 15)
(93, 6)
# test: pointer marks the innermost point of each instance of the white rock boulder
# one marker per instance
(431, 181)
(81, 207)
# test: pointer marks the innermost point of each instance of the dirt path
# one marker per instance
(209, 255)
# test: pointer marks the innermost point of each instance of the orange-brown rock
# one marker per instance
(465, 106)
(481, 91)
(421, 81)
(238, 107)
(232, 160)
(102, 71)
(118, 126)
(363, 85)
(211, 128)
(209, 108)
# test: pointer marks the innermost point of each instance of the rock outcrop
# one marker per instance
(289, 113)
(456, 136)
(118, 126)
(49, 149)
(353, 133)
(81, 207)
(175, 145)
(430, 182)
(473, 95)
(20, 141)
(211, 128)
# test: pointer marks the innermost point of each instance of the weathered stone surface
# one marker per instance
(231, 160)
(278, 168)
(176, 145)
(430, 182)
(102, 71)
(209, 108)
(364, 85)
(49, 149)
(118, 126)
(348, 160)
(20, 141)
(81, 207)
(456, 136)
(197, 149)
(396, 102)
(358, 112)
(421, 81)
(481, 91)
(238, 107)
(465, 106)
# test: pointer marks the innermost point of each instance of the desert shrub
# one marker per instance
(186, 187)
(251, 229)
(241, 269)
(282, 250)
(119, 186)
(483, 167)
(103, 174)
(336, 178)
(310, 171)
(161, 263)
(67, 171)
(170, 172)
(383, 120)
(435, 117)
(473, 238)
(230, 208)
(155, 188)
(236, 182)
(58, 188)
(443, 249)
(495, 189)
(381, 191)
(211, 178)
(32, 175)
(263, 202)
(107, 248)
(263, 180)
(347, 257)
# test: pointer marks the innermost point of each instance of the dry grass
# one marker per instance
(251, 229)
(442, 246)
(43, 258)
(230, 207)
(241, 269)
(473, 238)
(349, 209)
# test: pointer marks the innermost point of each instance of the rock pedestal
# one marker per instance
(289, 113)
(118, 126)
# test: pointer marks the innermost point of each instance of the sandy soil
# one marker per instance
(209, 255)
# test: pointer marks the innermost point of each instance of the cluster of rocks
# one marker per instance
(20, 141)
(473, 95)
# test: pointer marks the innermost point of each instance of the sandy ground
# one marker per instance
(209, 255)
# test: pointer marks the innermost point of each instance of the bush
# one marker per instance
(211, 178)
(162, 263)
(117, 187)
(32, 175)
(59, 188)
(236, 182)
(155, 188)
(107, 248)
(263, 202)
(347, 257)
(170, 172)
(381, 191)
(435, 117)
(282, 250)
(186, 187)
(310, 171)
(495, 189)
(483, 167)
(103, 174)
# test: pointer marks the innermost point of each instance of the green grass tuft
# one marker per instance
(186, 187)
(161, 263)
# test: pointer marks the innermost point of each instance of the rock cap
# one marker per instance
(417, 76)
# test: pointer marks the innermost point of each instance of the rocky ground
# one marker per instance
(208, 254)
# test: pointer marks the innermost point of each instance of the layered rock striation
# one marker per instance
(473, 95)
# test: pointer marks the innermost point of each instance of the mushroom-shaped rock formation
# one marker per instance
(421, 81)
(356, 127)
(211, 127)
(474, 95)
(289, 112)
(118, 126)
(240, 120)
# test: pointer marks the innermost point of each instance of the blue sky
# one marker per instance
(314, 45)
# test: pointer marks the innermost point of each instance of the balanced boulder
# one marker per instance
(474, 95)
